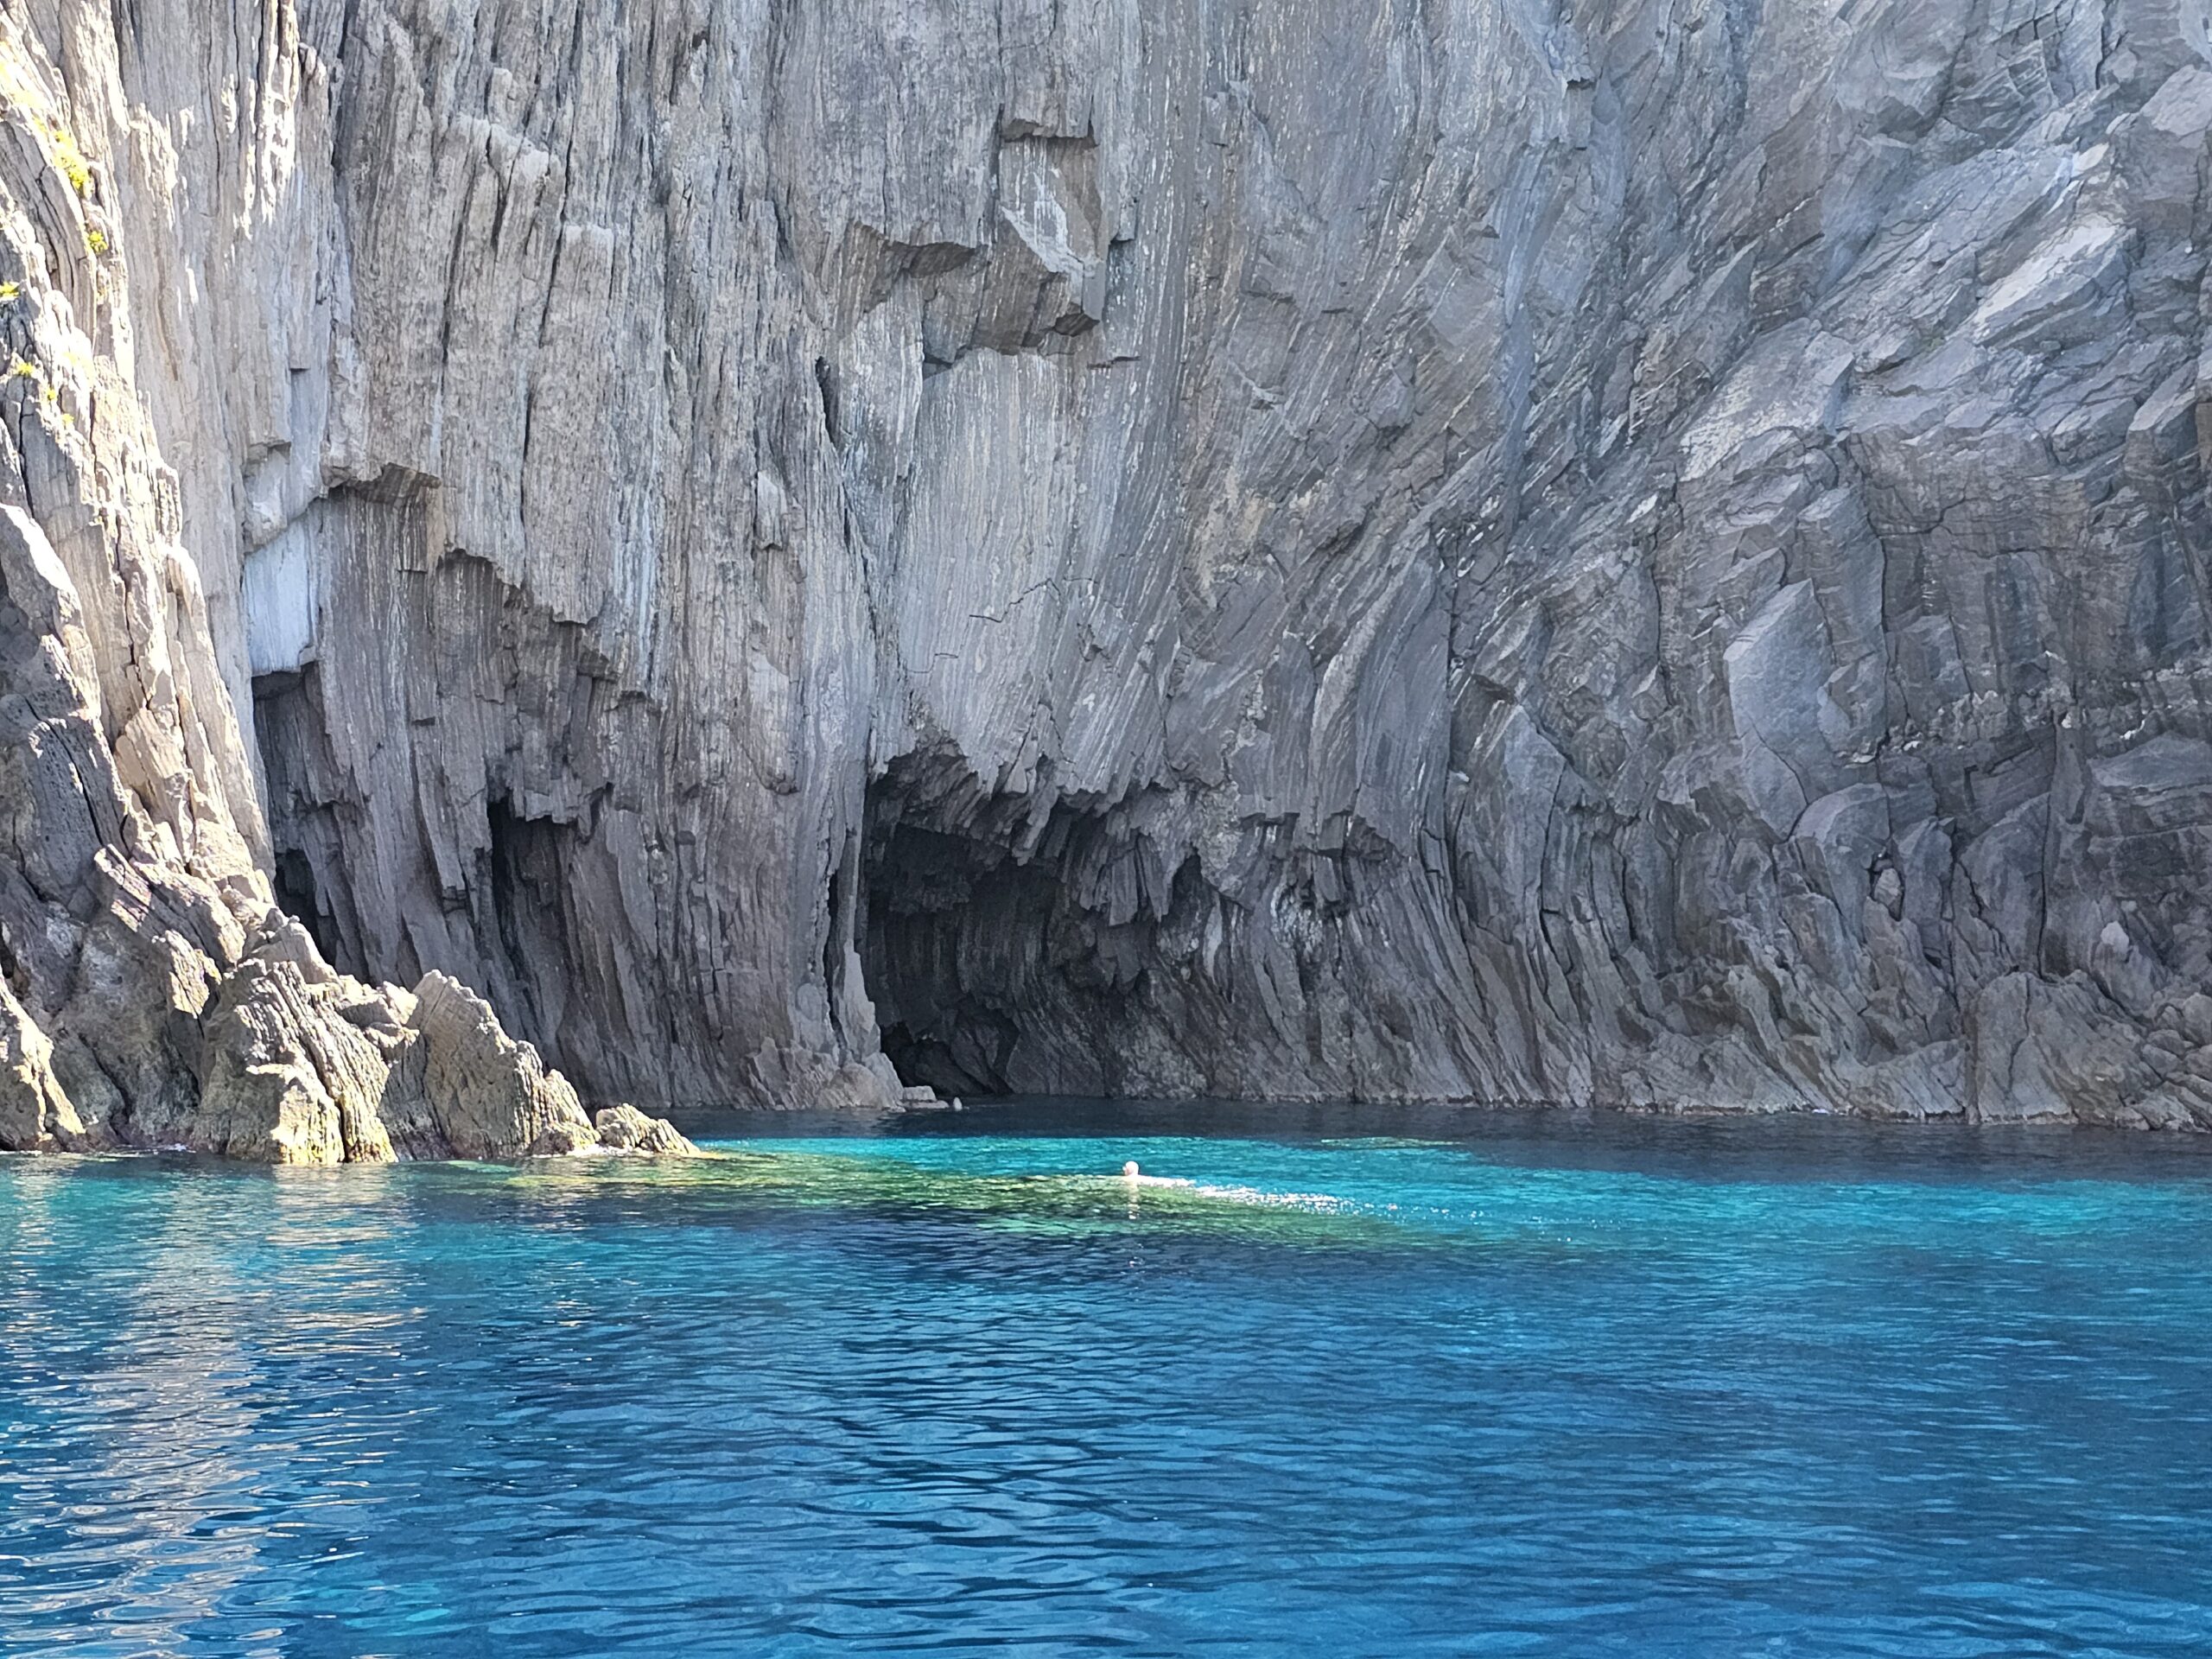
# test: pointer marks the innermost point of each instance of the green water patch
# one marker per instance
(1057, 1204)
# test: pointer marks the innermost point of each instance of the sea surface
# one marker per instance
(1315, 1383)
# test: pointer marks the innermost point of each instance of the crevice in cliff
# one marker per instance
(837, 947)
(825, 382)
(307, 839)
(529, 900)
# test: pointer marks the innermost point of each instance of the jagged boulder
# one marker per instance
(491, 1096)
(34, 1114)
(624, 1128)
(304, 1065)
(287, 1083)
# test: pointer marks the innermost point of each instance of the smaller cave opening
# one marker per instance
(297, 897)
(527, 894)
(307, 838)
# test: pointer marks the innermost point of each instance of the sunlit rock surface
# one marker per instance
(1650, 553)
(151, 992)
(623, 1128)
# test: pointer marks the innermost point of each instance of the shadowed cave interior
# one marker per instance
(1026, 943)
(1013, 951)
(304, 835)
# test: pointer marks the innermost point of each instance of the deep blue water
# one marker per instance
(1488, 1386)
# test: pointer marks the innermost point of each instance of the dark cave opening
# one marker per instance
(528, 908)
(306, 844)
(1013, 950)
(948, 1017)
(918, 884)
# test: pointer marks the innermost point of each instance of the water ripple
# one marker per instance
(976, 1392)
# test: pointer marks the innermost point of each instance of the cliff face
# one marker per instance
(152, 993)
(1651, 551)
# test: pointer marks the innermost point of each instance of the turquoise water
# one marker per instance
(1482, 1386)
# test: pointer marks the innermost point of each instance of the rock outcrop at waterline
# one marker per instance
(1634, 551)
(156, 996)
(153, 994)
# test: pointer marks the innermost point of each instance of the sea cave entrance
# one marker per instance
(943, 944)
(1015, 947)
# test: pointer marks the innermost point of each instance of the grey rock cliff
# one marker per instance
(151, 992)
(1650, 552)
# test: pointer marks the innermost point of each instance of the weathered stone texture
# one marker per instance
(151, 992)
(1644, 551)
(624, 1128)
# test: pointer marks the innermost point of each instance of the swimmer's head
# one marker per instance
(1129, 1170)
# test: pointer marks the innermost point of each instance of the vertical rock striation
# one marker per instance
(151, 992)
(1639, 551)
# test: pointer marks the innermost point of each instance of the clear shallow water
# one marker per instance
(1486, 1385)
